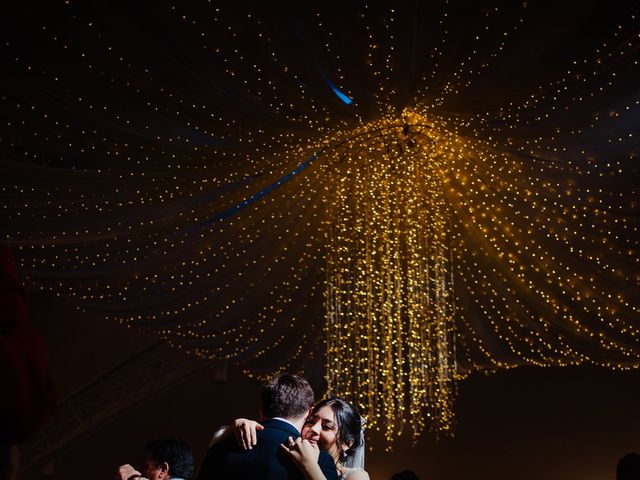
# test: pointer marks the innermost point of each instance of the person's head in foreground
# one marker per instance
(168, 458)
(628, 467)
(405, 475)
(336, 426)
(287, 396)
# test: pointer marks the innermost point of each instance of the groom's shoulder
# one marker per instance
(325, 457)
(215, 460)
(227, 445)
(327, 465)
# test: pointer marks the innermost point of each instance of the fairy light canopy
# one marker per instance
(230, 176)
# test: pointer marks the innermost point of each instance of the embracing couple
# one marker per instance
(295, 439)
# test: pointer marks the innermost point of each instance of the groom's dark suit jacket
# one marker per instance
(265, 461)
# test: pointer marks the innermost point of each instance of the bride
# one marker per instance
(333, 425)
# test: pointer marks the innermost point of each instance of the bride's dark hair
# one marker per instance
(348, 420)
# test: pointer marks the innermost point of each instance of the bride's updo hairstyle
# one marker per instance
(348, 421)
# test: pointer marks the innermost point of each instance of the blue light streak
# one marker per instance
(339, 94)
(262, 193)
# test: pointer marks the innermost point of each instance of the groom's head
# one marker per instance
(287, 396)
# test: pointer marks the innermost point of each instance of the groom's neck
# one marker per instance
(298, 422)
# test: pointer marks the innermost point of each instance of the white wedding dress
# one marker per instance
(346, 471)
(354, 463)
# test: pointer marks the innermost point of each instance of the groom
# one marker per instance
(286, 401)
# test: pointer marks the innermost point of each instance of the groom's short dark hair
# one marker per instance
(286, 396)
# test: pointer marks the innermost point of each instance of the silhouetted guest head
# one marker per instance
(287, 396)
(168, 458)
(405, 475)
(628, 467)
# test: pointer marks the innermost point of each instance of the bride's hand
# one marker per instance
(245, 432)
(304, 453)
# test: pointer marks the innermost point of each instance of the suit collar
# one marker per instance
(281, 425)
(285, 421)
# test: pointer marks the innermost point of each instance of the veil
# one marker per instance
(356, 460)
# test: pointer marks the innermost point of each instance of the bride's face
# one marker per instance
(321, 428)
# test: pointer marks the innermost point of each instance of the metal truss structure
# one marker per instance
(130, 383)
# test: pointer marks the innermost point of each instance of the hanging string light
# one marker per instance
(389, 301)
